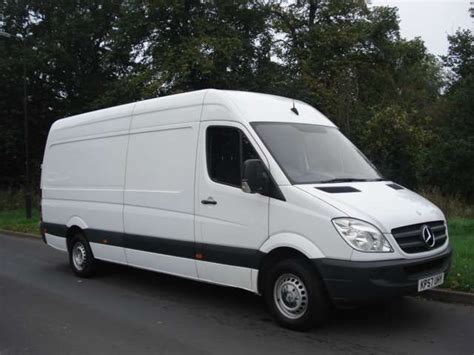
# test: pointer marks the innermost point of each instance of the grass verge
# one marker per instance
(15, 220)
(461, 234)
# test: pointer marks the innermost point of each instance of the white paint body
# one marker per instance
(140, 169)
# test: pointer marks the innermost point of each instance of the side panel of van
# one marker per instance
(83, 176)
(159, 190)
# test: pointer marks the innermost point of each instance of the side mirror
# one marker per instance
(255, 178)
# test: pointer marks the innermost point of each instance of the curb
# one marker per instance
(448, 296)
(20, 234)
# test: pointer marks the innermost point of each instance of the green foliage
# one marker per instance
(451, 164)
(460, 58)
(453, 206)
(197, 45)
(452, 156)
(13, 199)
(395, 145)
(461, 235)
(389, 95)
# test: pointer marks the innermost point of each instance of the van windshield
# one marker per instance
(310, 153)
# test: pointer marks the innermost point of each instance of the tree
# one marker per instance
(396, 146)
(195, 44)
(451, 165)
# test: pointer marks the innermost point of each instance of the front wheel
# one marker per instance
(81, 258)
(295, 295)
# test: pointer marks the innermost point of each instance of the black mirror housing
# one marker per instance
(254, 176)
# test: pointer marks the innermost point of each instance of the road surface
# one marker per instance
(45, 309)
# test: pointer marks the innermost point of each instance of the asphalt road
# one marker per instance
(45, 309)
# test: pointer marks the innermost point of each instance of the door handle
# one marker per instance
(209, 201)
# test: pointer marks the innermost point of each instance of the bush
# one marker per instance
(452, 205)
(14, 199)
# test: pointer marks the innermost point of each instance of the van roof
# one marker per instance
(241, 106)
(257, 107)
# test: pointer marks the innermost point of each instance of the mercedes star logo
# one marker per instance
(428, 236)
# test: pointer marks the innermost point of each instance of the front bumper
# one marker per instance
(356, 282)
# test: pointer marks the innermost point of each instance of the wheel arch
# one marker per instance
(76, 221)
(74, 225)
(70, 233)
(285, 246)
(292, 241)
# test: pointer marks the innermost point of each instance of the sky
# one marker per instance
(432, 20)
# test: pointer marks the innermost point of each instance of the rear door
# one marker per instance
(230, 224)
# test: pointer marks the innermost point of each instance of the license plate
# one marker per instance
(430, 282)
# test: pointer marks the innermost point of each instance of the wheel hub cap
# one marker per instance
(290, 296)
(79, 255)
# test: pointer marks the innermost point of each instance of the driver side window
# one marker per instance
(227, 149)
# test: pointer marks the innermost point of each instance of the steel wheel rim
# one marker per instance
(79, 256)
(290, 296)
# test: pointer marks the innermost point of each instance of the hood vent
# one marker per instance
(395, 186)
(337, 189)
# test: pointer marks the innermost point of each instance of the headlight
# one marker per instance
(361, 235)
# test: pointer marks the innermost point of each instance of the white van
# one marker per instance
(240, 189)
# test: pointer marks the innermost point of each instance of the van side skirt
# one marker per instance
(227, 255)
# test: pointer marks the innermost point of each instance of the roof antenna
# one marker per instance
(293, 109)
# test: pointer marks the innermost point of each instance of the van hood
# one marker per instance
(377, 202)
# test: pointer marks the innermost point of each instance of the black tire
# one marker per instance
(301, 287)
(87, 267)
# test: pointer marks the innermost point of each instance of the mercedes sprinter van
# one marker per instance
(240, 189)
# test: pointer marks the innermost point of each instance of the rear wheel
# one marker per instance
(295, 295)
(81, 258)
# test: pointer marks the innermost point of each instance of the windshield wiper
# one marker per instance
(347, 180)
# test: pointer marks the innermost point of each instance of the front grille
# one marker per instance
(410, 240)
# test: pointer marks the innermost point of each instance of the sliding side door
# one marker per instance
(159, 191)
